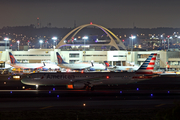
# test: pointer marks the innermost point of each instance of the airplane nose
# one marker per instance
(25, 80)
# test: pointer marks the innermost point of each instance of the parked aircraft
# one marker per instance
(16, 64)
(88, 80)
(79, 65)
(121, 68)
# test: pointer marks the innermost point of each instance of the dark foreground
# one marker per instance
(158, 99)
(87, 105)
(93, 114)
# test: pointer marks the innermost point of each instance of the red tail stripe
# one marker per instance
(107, 64)
(151, 63)
(153, 58)
(149, 68)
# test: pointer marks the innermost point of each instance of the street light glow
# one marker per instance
(40, 41)
(18, 41)
(132, 37)
(85, 37)
(6, 38)
(54, 38)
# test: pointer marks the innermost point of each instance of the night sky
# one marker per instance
(108, 13)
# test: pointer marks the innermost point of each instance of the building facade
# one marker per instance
(120, 58)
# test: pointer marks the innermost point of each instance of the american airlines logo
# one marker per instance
(60, 76)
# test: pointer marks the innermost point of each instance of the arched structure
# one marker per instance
(108, 32)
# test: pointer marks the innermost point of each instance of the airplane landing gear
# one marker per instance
(89, 88)
(37, 87)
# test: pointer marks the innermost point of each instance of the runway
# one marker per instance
(36, 99)
(81, 104)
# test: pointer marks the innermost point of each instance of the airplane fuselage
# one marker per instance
(123, 68)
(94, 78)
(78, 66)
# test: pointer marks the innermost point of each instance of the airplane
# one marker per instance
(80, 80)
(121, 68)
(79, 65)
(95, 66)
(16, 64)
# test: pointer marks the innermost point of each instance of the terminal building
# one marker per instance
(112, 51)
(118, 57)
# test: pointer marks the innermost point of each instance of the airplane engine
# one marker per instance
(76, 85)
(92, 69)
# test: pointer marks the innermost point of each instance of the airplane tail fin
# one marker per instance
(92, 64)
(60, 60)
(44, 64)
(148, 66)
(12, 58)
(107, 64)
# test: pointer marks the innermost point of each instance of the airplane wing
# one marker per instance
(94, 80)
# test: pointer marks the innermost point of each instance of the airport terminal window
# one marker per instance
(174, 63)
(140, 62)
(3, 44)
(73, 61)
(99, 55)
(30, 55)
(119, 55)
(146, 55)
(73, 55)
(87, 55)
(143, 55)
(2, 64)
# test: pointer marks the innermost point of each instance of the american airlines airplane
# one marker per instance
(16, 64)
(121, 68)
(87, 80)
(79, 65)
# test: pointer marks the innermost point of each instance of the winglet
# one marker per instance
(12, 58)
(59, 59)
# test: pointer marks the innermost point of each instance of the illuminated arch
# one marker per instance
(108, 32)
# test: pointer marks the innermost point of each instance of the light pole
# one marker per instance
(54, 41)
(169, 37)
(18, 44)
(84, 38)
(6, 39)
(28, 44)
(132, 37)
(40, 42)
(46, 43)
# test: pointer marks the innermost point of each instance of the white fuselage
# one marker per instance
(25, 65)
(32, 65)
(51, 66)
(75, 66)
(82, 65)
(91, 77)
(98, 66)
(123, 68)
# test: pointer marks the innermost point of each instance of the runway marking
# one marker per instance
(46, 107)
(159, 105)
